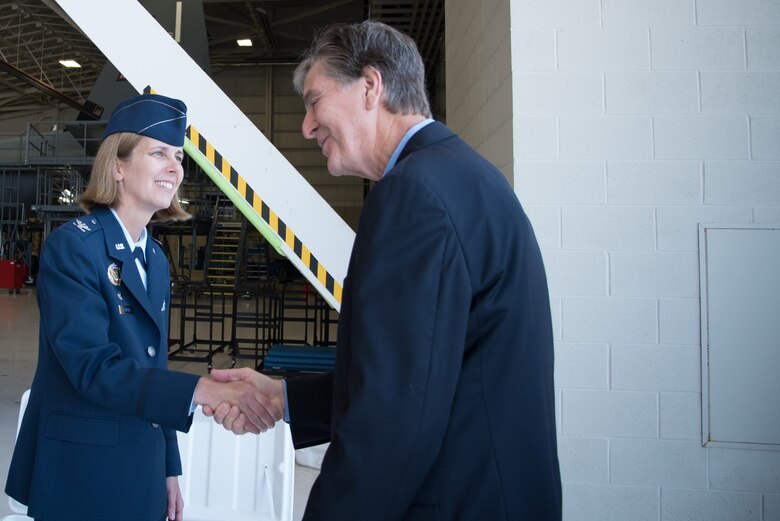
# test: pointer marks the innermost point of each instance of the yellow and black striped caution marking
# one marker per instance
(265, 213)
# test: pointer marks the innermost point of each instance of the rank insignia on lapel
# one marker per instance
(119, 295)
(163, 308)
(119, 246)
(113, 274)
(84, 227)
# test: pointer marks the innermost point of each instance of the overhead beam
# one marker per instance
(45, 88)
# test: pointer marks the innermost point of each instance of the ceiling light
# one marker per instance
(246, 42)
(71, 64)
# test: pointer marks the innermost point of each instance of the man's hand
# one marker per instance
(233, 417)
(239, 388)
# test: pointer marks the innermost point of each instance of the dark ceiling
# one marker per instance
(35, 35)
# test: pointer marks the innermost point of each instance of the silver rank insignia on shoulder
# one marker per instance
(114, 274)
(119, 246)
(119, 295)
(84, 227)
(163, 308)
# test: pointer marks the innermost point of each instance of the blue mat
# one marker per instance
(300, 358)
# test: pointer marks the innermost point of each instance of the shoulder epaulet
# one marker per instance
(83, 226)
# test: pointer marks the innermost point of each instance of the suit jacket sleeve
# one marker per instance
(406, 317)
(310, 400)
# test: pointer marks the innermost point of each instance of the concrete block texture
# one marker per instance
(701, 137)
(497, 147)
(495, 32)
(561, 182)
(767, 215)
(555, 13)
(572, 273)
(648, 13)
(709, 505)
(678, 227)
(765, 136)
(583, 460)
(680, 416)
(745, 92)
(654, 182)
(609, 319)
(663, 463)
(535, 138)
(763, 47)
(745, 470)
(738, 12)
(603, 49)
(616, 228)
(747, 183)
(679, 321)
(648, 93)
(612, 137)
(613, 414)
(636, 120)
(697, 48)
(581, 366)
(495, 65)
(771, 507)
(583, 502)
(553, 93)
(657, 274)
(546, 222)
(655, 368)
(533, 50)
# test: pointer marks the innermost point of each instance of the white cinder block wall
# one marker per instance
(479, 79)
(632, 122)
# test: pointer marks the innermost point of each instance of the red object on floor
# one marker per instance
(12, 275)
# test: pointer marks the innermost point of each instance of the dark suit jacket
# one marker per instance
(441, 405)
(98, 437)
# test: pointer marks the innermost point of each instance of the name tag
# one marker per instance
(125, 310)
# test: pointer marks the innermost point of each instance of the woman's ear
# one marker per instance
(118, 171)
(373, 86)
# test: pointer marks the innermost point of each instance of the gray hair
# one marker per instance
(345, 50)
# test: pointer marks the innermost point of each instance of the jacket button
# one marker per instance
(151, 351)
(156, 425)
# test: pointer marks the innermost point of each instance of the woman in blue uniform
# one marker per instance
(98, 439)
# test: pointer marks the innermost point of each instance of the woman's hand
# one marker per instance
(175, 501)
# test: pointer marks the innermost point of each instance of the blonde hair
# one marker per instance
(102, 189)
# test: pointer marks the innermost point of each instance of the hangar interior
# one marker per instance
(233, 296)
(232, 293)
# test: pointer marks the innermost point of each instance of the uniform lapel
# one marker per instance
(156, 278)
(118, 249)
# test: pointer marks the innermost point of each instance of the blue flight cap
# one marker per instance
(150, 115)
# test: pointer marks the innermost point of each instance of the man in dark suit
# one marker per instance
(441, 405)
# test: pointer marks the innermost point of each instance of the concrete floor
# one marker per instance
(18, 357)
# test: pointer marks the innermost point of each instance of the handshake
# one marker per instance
(241, 400)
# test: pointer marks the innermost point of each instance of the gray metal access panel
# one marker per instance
(740, 312)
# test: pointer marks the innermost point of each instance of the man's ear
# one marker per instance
(374, 88)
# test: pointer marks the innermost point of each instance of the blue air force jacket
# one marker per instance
(98, 436)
